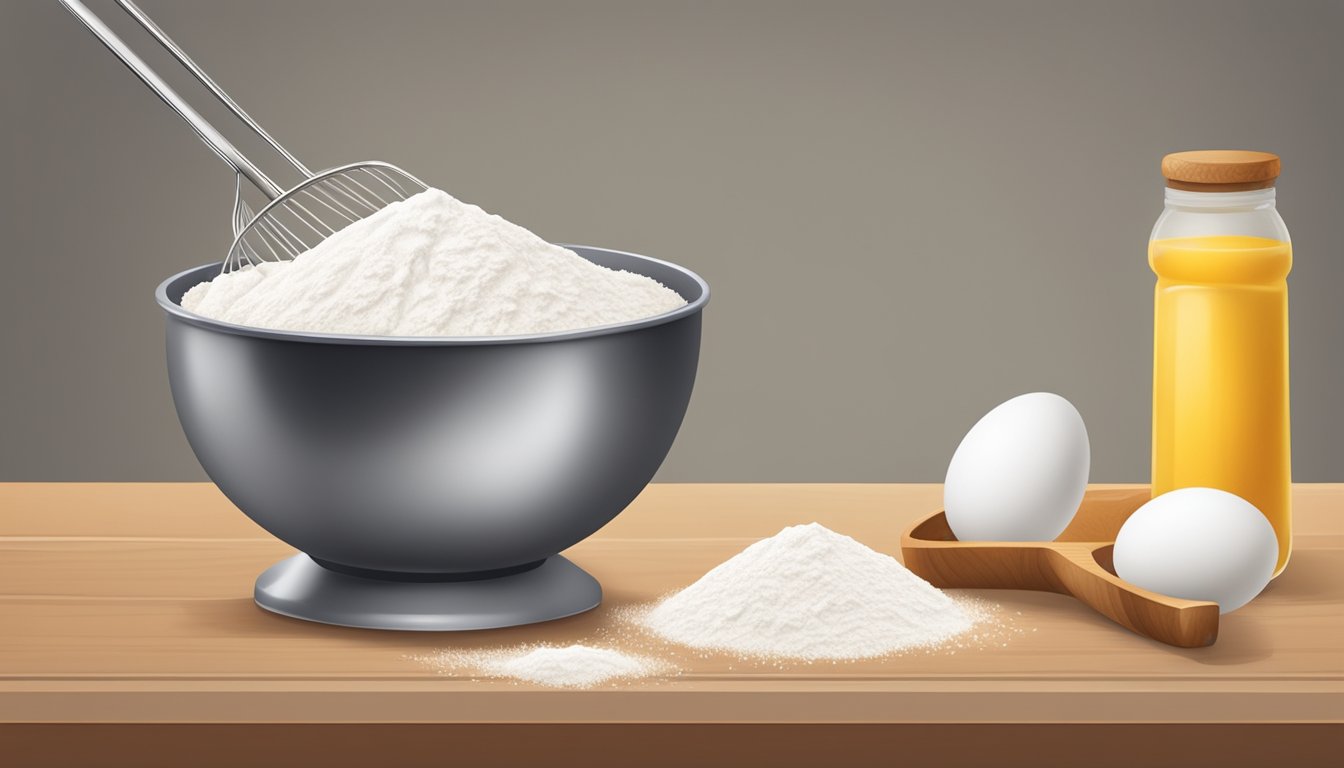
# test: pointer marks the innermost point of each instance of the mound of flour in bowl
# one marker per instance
(431, 265)
(809, 593)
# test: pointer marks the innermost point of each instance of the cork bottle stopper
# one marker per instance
(1220, 170)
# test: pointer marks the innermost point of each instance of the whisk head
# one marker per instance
(313, 211)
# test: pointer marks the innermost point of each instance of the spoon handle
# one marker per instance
(1083, 570)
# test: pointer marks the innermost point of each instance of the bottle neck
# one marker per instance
(1216, 202)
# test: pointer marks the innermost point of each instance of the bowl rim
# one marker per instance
(690, 308)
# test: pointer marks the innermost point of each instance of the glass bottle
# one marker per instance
(1220, 345)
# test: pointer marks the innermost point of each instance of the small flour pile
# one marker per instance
(431, 265)
(809, 593)
(578, 666)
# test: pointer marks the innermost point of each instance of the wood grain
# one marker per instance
(130, 604)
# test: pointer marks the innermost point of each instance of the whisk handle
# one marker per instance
(191, 66)
(212, 138)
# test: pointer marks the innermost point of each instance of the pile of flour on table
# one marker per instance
(809, 593)
(431, 265)
(574, 666)
(577, 666)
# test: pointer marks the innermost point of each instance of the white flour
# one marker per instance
(578, 666)
(431, 265)
(809, 593)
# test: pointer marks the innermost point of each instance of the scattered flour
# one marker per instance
(577, 666)
(809, 593)
(431, 265)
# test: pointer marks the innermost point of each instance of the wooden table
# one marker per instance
(128, 636)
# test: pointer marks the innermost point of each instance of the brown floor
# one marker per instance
(700, 745)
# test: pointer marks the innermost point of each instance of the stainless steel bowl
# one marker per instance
(448, 462)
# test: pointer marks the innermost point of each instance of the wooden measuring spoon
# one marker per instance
(1078, 563)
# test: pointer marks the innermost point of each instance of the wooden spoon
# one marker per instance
(1078, 563)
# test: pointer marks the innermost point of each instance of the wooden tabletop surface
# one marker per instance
(131, 604)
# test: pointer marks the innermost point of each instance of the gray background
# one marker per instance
(908, 212)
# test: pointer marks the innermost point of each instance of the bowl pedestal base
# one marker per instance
(300, 588)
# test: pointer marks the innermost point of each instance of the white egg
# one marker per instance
(1020, 473)
(1198, 544)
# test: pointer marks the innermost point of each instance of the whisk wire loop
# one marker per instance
(286, 227)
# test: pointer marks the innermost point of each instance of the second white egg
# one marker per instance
(1198, 544)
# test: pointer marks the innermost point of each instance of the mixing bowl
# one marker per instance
(429, 483)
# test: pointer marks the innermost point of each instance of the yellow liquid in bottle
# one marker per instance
(1220, 371)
